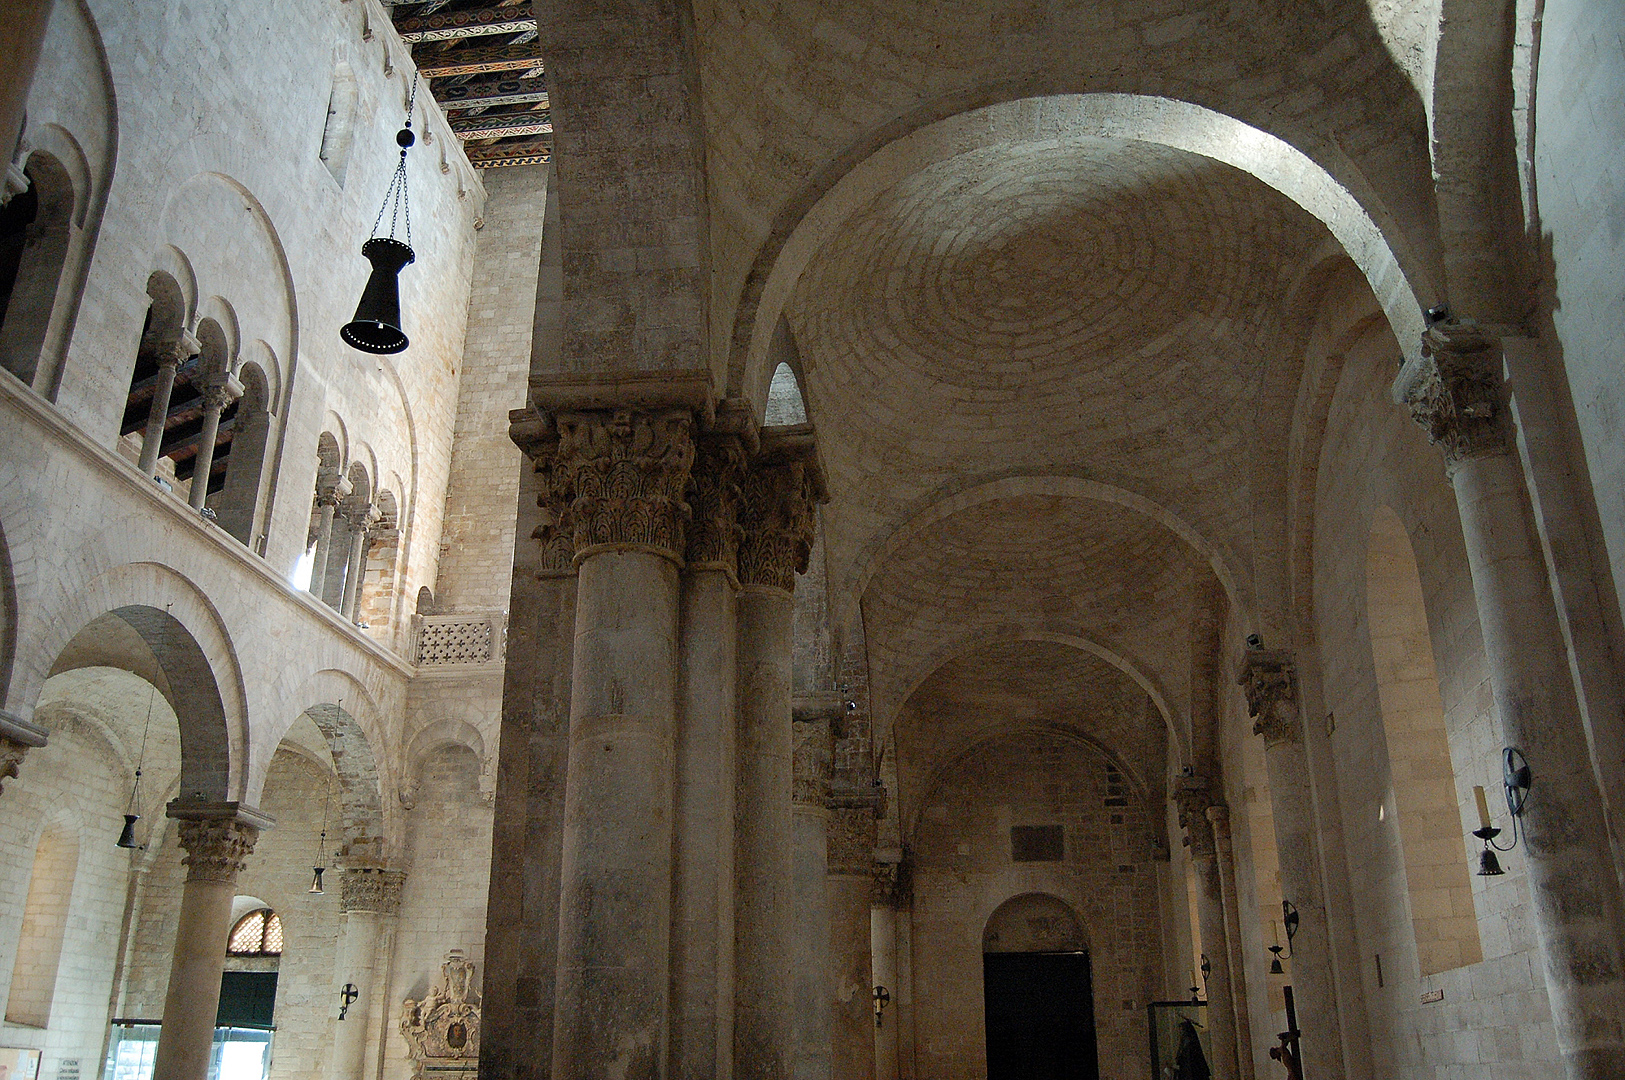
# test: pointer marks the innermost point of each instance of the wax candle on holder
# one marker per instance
(1483, 807)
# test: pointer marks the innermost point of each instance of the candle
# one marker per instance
(1483, 808)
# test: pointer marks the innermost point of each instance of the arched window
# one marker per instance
(35, 230)
(784, 402)
(259, 933)
(45, 922)
(154, 401)
(1443, 917)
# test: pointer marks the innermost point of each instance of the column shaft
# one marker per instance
(1578, 918)
(324, 544)
(852, 1028)
(1193, 797)
(370, 897)
(883, 918)
(1456, 391)
(702, 909)
(763, 911)
(216, 848)
(810, 964)
(203, 463)
(357, 564)
(616, 870)
(152, 440)
(1270, 680)
(1224, 851)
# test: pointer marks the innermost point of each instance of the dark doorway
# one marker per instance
(1040, 1016)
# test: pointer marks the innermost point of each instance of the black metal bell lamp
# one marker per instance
(376, 327)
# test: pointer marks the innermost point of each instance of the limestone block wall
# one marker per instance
(1580, 190)
(443, 901)
(476, 545)
(263, 236)
(76, 792)
(964, 871)
(1494, 1012)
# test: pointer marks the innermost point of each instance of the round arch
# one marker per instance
(1358, 221)
(1034, 922)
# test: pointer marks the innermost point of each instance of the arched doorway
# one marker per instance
(1038, 993)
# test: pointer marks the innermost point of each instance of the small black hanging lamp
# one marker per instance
(321, 847)
(376, 327)
(126, 838)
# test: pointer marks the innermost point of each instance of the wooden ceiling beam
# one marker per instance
(449, 25)
(479, 61)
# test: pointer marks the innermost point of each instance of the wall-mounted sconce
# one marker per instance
(347, 998)
(882, 999)
(1289, 919)
(1206, 970)
(1516, 778)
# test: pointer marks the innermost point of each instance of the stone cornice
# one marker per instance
(371, 889)
(1269, 678)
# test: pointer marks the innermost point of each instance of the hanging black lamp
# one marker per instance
(376, 327)
(126, 838)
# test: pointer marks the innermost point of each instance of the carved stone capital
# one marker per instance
(216, 848)
(811, 760)
(624, 473)
(714, 493)
(220, 390)
(332, 487)
(1454, 391)
(776, 515)
(367, 888)
(172, 351)
(1193, 795)
(361, 515)
(892, 879)
(1269, 678)
(538, 439)
(17, 737)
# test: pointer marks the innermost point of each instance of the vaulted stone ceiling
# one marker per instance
(1026, 686)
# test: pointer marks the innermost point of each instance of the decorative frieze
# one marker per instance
(371, 889)
(1456, 393)
(217, 848)
(777, 515)
(624, 473)
(1269, 678)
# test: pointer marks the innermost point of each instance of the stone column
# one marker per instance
(361, 517)
(851, 892)
(369, 897)
(776, 514)
(218, 838)
(1224, 851)
(812, 1002)
(331, 488)
(17, 737)
(1193, 796)
(170, 356)
(1269, 678)
(883, 917)
(624, 473)
(219, 390)
(702, 907)
(1456, 391)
